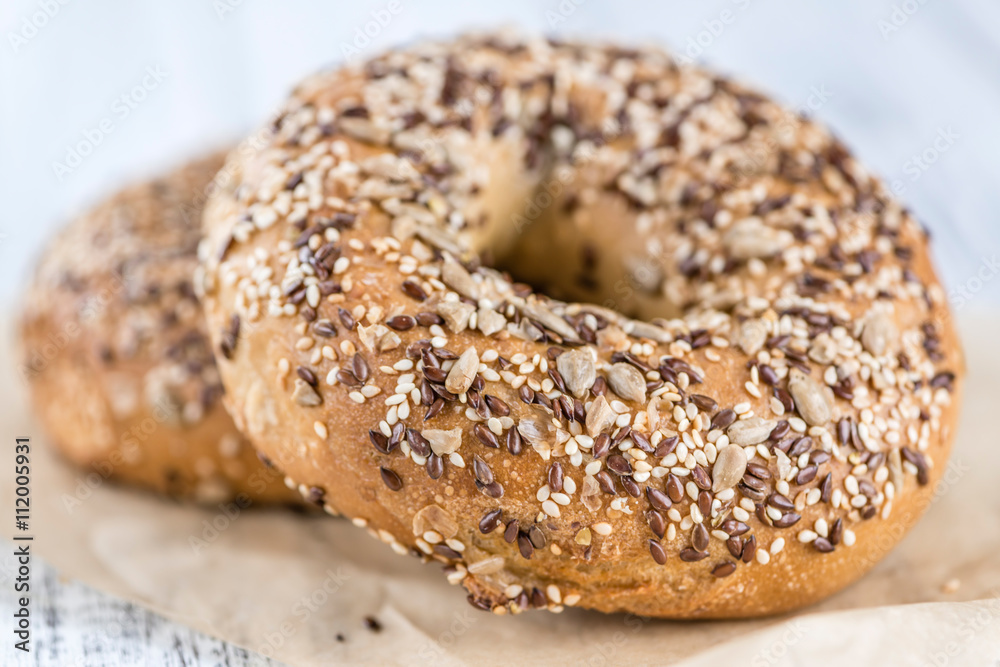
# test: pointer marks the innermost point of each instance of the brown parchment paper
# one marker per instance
(286, 585)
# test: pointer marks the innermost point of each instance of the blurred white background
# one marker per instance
(912, 85)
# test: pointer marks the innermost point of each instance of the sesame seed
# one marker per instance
(602, 528)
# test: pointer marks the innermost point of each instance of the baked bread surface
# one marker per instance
(736, 394)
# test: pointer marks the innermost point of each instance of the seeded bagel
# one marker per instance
(116, 354)
(733, 396)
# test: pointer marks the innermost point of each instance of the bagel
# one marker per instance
(735, 394)
(116, 355)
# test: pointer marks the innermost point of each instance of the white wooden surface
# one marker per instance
(76, 626)
(888, 75)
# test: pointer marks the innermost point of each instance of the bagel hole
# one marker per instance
(587, 253)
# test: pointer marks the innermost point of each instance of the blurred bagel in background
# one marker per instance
(116, 355)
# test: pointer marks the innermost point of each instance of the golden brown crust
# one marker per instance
(758, 452)
(116, 355)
